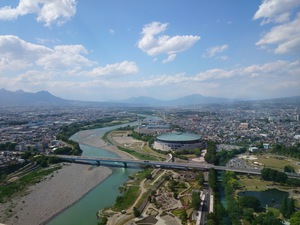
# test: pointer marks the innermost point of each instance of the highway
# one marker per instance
(166, 164)
(171, 165)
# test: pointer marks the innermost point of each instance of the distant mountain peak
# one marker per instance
(22, 98)
(20, 91)
(194, 99)
(44, 93)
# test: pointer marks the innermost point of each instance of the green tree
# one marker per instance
(183, 217)
(249, 202)
(248, 214)
(119, 199)
(290, 208)
(200, 178)
(284, 206)
(26, 155)
(175, 195)
(267, 219)
(196, 200)
(289, 169)
(212, 179)
(210, 155)
(295, 218)
(136, 212)
(273, 175)
(103, 221)
(197, 152)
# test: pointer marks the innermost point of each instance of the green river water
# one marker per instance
(84, 211)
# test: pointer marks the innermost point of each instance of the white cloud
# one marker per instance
(64, 56)
(277, 11)
(63, 69)
(116, 69)
(15, 50)
(170, 58)
(47, 11)
(211, 52)
(223, 57)
(45, 41)
(17, 55)
(286, 37)
(274, 79)
(163, 44)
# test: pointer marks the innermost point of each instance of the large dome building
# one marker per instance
(178, 141)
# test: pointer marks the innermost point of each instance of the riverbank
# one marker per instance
(87, 137)
(53, 195)
(50, 197)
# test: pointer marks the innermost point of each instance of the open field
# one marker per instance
(277, 162)
(123, 140)
(254, 183)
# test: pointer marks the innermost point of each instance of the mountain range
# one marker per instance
(189, 100)
(44, 98)
(21, 98)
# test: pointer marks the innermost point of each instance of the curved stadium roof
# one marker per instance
(178, 137)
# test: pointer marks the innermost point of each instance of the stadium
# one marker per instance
(178, 141)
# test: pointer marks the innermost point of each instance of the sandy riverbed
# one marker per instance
(51, 196)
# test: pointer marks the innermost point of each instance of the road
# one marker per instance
(166, 164)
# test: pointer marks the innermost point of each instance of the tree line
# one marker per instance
(222, 157)
(293, 151)
(8, 146)
(244, 208)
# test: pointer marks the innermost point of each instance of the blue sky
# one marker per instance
(114, 49)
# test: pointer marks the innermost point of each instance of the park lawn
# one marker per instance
(142, 174)
(138, 149)
(128, 198)
(137, 154)
(276, 162)
(149, 150)
(253, 183)
(275, 211)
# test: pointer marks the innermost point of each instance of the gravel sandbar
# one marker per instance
(51, 196)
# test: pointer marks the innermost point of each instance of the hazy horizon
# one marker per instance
(113, 50)
(141, 97)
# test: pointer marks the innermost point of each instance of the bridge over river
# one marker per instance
(169, 165)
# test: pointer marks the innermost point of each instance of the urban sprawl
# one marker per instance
(245, 125)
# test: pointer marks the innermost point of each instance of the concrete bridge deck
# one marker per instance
(165, 164)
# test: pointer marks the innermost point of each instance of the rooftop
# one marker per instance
(179, 136)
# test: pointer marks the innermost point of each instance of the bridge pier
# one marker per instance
(98, 163)
(125, 164)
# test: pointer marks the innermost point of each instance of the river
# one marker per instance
(104, 195)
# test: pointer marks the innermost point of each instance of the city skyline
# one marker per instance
(113, 50)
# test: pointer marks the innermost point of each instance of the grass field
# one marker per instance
(129, 197)
(277, 162)
(137, 148)
(253, 183)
